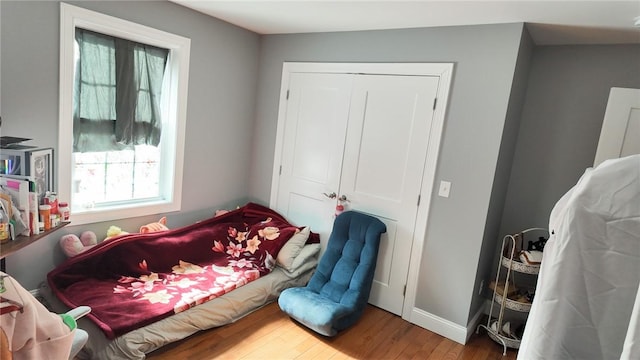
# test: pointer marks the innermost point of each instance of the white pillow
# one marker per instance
(308, 252)
(292, 248)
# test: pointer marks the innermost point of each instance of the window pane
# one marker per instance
(97, 90)
(88, 179)
(143, 108)
(119, 175)
(103, 177)
(146, 183)
(114, 175)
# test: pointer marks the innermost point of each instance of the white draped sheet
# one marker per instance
(589, 278)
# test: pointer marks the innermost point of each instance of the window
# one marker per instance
(122, 117)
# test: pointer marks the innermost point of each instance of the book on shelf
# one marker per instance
(19, 188)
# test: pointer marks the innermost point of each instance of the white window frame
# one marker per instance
(174, 121)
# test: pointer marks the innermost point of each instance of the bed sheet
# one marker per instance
(151, 276)
(214, 313)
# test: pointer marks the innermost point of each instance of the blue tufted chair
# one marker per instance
(339, 290)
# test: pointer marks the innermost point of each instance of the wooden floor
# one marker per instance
(269, 334)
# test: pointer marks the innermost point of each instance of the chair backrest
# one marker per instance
(345, 271)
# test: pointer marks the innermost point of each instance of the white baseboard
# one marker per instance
(446, 328)
(439, 325)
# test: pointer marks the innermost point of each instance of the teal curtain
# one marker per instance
(117, 93)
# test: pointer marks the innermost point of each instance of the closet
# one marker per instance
(620, 133)
(365, 137)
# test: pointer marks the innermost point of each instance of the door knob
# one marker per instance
(330, 196)
(343, 198)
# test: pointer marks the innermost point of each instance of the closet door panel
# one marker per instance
(314, 131)
(620, 133)
(386, 122)
(385, 151)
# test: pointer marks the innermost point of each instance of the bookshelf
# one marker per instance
(22, 241)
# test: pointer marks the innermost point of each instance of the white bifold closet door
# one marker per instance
(364, 137)
(620, 133)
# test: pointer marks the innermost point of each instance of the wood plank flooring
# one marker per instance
(270, 334)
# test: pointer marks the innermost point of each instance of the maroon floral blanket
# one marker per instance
(137, 279)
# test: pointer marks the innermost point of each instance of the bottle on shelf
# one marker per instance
(64, 210)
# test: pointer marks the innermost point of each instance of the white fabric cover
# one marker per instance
(590, 273)
(34, 332)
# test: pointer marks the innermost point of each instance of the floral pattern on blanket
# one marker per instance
(188, 285)
(137, 279)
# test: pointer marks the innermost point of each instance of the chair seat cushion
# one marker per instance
(312, 310)
(336, 295)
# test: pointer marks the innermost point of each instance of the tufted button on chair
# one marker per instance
(338, 291)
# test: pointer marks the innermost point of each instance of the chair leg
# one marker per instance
(79, 340)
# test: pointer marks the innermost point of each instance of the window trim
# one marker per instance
(175, 123)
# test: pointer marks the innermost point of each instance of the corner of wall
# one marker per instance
(503, 169)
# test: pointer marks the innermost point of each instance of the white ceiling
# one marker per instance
(550, 22)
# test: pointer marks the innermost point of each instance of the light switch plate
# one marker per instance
(445, 188)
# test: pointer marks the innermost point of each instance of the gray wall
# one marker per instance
(222, 84)
(485, 60)
(561, 120)
(503, 172)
